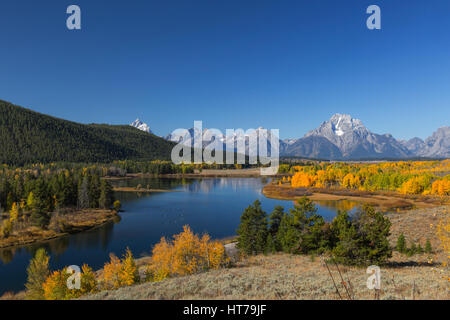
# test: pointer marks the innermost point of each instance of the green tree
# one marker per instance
(252, 231)
(106, 195)
(83, 194)
(428, 248)
(302, 230)
(270, 244)
(37, 272)
(275, 219)
(41, 204)
(345, 238)
(94, 191)
(419, 249)
(401, 243)
(362, 240)
(412, 249)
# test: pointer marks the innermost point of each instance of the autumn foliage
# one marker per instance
(406, 177)
(120, 272)
(443, 231)
(188, 253)
(56, 288)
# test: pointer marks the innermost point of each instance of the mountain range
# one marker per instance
(28, 137)
(346, 138)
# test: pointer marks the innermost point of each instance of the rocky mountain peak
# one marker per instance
(141, 125)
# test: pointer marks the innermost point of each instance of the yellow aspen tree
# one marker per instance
(14, 213)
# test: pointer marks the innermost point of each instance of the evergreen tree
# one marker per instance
(83, 194)
(428, 248)
(413, 249)
(252, 231)
(41, 204)
(37, 274)
(346, 239)
(302, 229)
(270, 244)
(401, 243)
(275, 220)
(106, 195)
(94, 191)
(419, 249)
(274, 225)
(362, 240)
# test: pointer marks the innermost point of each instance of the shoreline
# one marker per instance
(142, 190)
(383, 199)
(90, 220)
(207, 173)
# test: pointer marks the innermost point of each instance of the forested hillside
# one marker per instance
(29, 137)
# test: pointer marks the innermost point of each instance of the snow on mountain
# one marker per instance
(248, 139)
(340, 138)
(438, 145)
(141, 126)
(355, 141)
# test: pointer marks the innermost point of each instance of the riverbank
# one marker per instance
(295, 277)
(143, 190)
(386, 201)
(70, 223)
(212, 173)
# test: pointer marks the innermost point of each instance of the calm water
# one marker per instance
(207, 205)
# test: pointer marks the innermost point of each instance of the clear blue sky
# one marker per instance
(233, 64)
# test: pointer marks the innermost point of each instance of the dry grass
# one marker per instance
(13, 296)
(283, 276)
(418, 226)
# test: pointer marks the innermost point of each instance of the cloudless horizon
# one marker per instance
(288, 65)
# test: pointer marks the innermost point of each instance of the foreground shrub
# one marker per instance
(37, 272)
(56, 285)
(362, 240)
(186, 254)
(118, 273)
(401, 243)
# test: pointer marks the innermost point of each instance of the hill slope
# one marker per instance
(29, 137)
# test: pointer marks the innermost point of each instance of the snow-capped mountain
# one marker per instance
(341, 138)
(248, 139)
(141, 125)
(354, 140)
(438, 145)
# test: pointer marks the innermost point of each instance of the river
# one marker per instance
(209, 205)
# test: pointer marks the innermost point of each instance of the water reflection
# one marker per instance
(99, 237)
(340, 205)
(208, 205)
